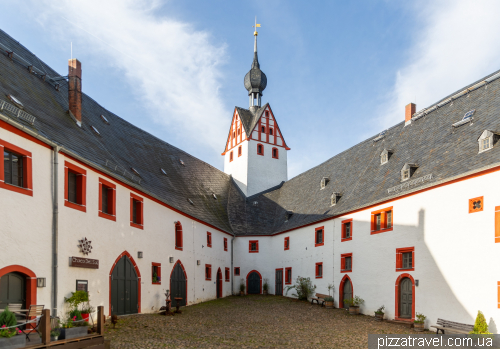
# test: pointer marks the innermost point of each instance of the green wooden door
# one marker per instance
(124, 288)
(12, 289)
(347, 293)
(178, 285)
(406, 298)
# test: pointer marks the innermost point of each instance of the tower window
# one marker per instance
(239, 132)
(230, 156)
(263, 129)
(239, 150)
(267, 114)
(271, 131)
(260, 149)
(275, 153)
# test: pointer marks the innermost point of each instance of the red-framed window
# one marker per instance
(319, 270)
(239, 151)
(497, 224)
(270, 131)
(263, 129)
(231, 156)
(476, 204)
(260, 149)
(136, 211)
(253, 246)
(107, 200)
(237, 271)
(346, 262)
(346, 230)
(16, 172)
(287, 243)
(498, 286)
(75, 187)
(178, 236)
(208, 271)
(405, 259)
(226, 274)
(156, 273)
(382, 220)
(288, 276)
(276, 154)
(225, 244)
(209, 239)
(267, 113)
(319, 236)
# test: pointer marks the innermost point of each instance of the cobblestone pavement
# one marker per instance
(249, 322)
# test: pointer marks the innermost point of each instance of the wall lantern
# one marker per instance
(198, 262)
(139, 254)
(416, 283)
(40, 282)
(171, 259)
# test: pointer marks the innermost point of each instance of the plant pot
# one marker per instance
(242, 293)
(18, 341)
(379, 316)
(73, 332)
(418, 326)
(85, 316)
(54, 339)
(265, 292)
(353, 310)
(329, 304)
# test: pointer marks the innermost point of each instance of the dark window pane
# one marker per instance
(7, 165)
(319, 236)
(347, 263)
(134, 211)
(389, 219)
(105, 201)
(72, 187)
(320, 270)
(13, 168)
(407, 260)
(377, 221)
(348, 230)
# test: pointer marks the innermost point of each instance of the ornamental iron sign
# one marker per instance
(409, 184)
(85, 246)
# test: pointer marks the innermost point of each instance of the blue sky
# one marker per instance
(338, 71)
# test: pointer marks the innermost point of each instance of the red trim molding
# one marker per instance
(316, 244)
(111, 199)
(397, 285)
(275, 150)
(209, 239)
(125, 253)
(343, 238)
(341, 290)
(140, 213)
(31, 287)
(27, 188)
(288, 279)
(399, 258)
(227, 274)
(178, 236)
(383, 221)
(476, 204)
(225, 244)
(208, 272)
(318, 274)
(260, 280)
(236, 271)
(287, 243)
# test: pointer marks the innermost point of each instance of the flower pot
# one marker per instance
(353, 310)
(73, 332)
(379, 316)
(18, 341)
(265, 292)
(418, 326)
(242, 293)
(329, 304)
(85, 316)
(54, 338)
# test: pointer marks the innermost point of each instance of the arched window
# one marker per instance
(234, 134)
(260, 149)
(239, 150)
(271, 131)
(267, 114)
(230, 156)
(239, 132)
(263, 129)
(178, 236)
(275, 153)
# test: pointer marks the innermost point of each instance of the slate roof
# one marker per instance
(249, 119)
(430, 141)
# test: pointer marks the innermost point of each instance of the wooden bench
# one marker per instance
(320, 299)
(452, 327)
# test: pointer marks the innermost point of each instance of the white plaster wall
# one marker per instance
(238, 168)
(265, 172)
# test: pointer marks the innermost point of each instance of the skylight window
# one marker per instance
(103, 118)
(191, 201)
(163, 171)
(182, 162)
(467, 118)
(380, 136)
(16, 101)
(135, 171)
(469, 114)
(214, 196)
(95, 130)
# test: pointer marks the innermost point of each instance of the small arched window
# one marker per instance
(230, 156)
(275, 153)
(234, 134)
(271, 131)
(267, 114)
(260, 149)
(239, 132)
(263, 129)
(239, 150)
(178, 236)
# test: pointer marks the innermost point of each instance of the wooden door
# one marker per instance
(278, 290)
(219, 283)
(178, 283)
(12, 289)
(347, 293)
(406, 298)
(253, 283)
(124, 288)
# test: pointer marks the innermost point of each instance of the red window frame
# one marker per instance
(209, 239)
(271, 131)
(239, 151)
(399, 258)
(225, 244)
(474, 200)
(138, 201)
(267, 113)
(277, 153)
(383, 220)
(261, 147)
(81, 187)
(263, 129)
(237, 271)
(27, 188)
(498, 286)
(158, 274)
(318, 275)
(342, 262)
(208, 272)
(231, 156)
(250, 246)
(287, 243)
(288, 276)
(226, 274)
(316, 244)
(178, 243)
(497, 224)
(111, 199)
(344, 224)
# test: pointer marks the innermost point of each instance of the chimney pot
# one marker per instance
(409, 111)
(75, 88)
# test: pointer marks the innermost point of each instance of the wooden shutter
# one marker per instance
(342, 263)
(399, 260)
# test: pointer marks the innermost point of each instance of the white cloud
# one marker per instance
(456, 43)
(174, 69)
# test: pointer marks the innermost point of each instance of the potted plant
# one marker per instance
(329, 300)
(418, 324)
(242, 289)
(86, 311)
(10, 336)
(73, 328)
(54, 334)
(354, 304)
(379, 313)
(265, 287)
(303, 288)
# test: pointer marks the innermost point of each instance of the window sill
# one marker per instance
(380, 231)
(345, 239)
(286, 249)
(288, 283)
(208, 279)
(319, 277)
(260, 154)
(403, 269)
(253, 251)
(320, 244)
(107, 216)
(75, 206)
(15, 188)
(156, 283)
(403, 319)
(346, 271)
(227, 280)
(178, 248)
(135, 225)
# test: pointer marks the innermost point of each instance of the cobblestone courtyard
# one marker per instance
(249, 322)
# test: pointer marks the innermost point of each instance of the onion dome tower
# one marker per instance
(255, 80)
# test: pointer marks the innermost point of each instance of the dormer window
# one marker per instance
(335, 198)
(288, 215)
(385, 156)
(407, 171)
(487, 140)
(324, 182)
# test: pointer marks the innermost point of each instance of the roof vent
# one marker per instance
(135, 171)
(255, 203)
(16, 101)
(380, 136)
(95, 130)
(103, 118)
(335, 198)
(324, 182)
(467, 118)
(191, 201)
(288, 215)
(182, 162)
(163, 171)
(385, 156)
(214, 196)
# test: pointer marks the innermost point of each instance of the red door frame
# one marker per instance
(31, 286)
(260, 277)
(282, 280)
(397, 285)
(125, 253)
(185, 275)
(219, 282)
(341, 290)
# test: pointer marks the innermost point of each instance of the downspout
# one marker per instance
(55, 227)
(232, 270)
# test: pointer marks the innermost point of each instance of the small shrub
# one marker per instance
(354, 302)
(242, 286)
(303, 288)
(266, 285)
(420, 318)
(328, 299)
(380, 310)
(8, 319)
(480, 326)
(77, 298)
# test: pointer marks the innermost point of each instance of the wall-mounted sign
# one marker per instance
(85, 246)
(83, 262)
(82, 285)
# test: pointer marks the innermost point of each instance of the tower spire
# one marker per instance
(255, 80)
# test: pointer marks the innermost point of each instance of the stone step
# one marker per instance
(404, 323)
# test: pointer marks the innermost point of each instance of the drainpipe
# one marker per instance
(55, 227)
(232, 271)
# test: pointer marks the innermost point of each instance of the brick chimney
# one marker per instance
(409, 111)
(75, 89)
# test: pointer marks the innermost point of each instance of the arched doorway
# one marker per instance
(219, 283)
(346, 291)
(254, 282)
(125, 286)
(178, 284)
(405, 297)
(17, 285)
